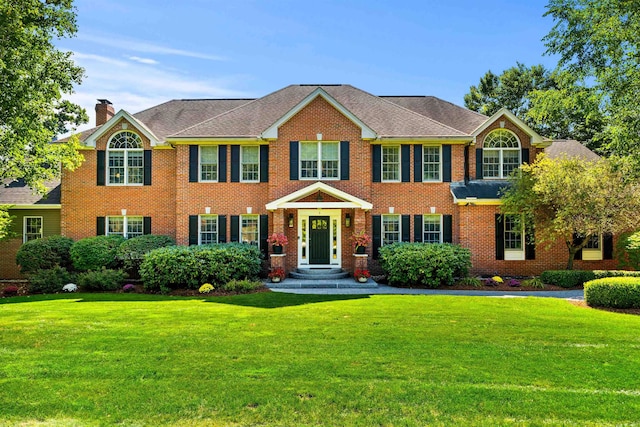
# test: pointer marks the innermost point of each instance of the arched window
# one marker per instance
(500, 154)
(125, 159)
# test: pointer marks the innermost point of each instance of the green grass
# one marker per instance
(297, 360)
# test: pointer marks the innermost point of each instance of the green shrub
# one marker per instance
(95, 253)
(424, 264)
(628, 250)
(49, 281)
(101, 280)
(45, 253)
(567, 278)
(188, 267)
(614, 292)
(131, 252)
(242, 286)
(535, 282)
(601, 274)
(470, 281)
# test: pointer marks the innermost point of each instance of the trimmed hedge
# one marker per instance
(601, 274)
(424, 264)
(132, 251)
(49, 281)
(45, 253)
(189, 267)
(102, 280)
(567, 278)
(95, 253)
(613, 292)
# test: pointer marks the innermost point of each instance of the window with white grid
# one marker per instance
(432, 228)
(249, 229)
(390, 229)
(32, 228)
(250, 161)
(431, 163)
(209, 163)
(391, 163)
(125, 226)
(125, 161)
(208, 229)
(319, 159)
(500, 154)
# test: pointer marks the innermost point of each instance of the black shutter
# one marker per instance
(405, 159)
(294, 156)
(577, 239)
(376, 163)
(264, 163)
(146, 225)
(406, 227)
(222, 229)
(147, 167)
(193, 229)
(344, 160)
(235, 163)
(607, 246)
(447, 229)
(264, 234)
(101, 224)
(478, 163)
(525, 155)
(418, 236)
(499, 236)
(446, 163)
(377, 233)
(417, 164)
(222, 163)
(235, 228)
(101, 167)
(193, 163)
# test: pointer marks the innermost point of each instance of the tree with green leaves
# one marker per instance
(570, 197)
(33, 77)
(599, 43)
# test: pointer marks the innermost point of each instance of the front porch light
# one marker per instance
(347, 220)
(290, 220)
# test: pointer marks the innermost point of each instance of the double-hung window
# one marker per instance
(390, 163)
(250, 161)
(125, 226)
(208, 229)
(319, 160)
(500, 154)
(593, 249)
(390, 229)
(208, 163)
(513, 237)
(125, 164)
(432, 228)
(431, 163)
(249, 229)
(32, 228)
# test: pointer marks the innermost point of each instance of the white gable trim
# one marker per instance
(272, 131)
(290, 200)
(122, 114)
(536, 140)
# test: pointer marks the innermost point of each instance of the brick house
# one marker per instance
(317, 163)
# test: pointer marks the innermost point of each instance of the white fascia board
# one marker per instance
(38, 207)
(536, 139)
(122, 114)
(272, 131)
(353, 201)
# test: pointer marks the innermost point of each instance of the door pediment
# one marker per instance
(326, 197)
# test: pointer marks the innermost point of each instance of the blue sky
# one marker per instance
(141, 53)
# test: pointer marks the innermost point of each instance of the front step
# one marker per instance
(319, 274)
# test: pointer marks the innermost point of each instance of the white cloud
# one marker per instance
(143, 60)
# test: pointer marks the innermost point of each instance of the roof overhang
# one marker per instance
(424, 139)
(38, 207)
(272, 131)
(122, 114)
(208, 140)
(290, 201)
(535, 139)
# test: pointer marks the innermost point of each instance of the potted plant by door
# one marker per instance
(276, 274)
(361, 275)
(360, 240)
(277, 241)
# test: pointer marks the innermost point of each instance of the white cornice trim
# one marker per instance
(34, 207)
(536, 140)
(289, 201)
(122, 114)
(272, 131)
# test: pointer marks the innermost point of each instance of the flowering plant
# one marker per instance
(128, 288)
(10, 290)
(361, 272)
(277, 272)
(278, 239)
(206, 288)
(497, 279)
(360, 238)
(514, 283)
(70, 287)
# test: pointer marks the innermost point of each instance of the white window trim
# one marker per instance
(200, 164)
(500, 151)
(424, 164)
(126, 152)
(424, 224)
(200, 227)
(257, 217)
(125, 225)
(319, 148)
(24, 227)
(242, 147)
(593, 254)
(382, 231)
(399, 163)
(514, 254)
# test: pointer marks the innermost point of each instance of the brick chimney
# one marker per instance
(104, 111)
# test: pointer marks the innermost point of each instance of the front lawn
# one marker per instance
(296, 360)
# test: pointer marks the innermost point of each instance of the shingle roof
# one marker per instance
(441, 111)
(16, 192)
(386, 118)
(570, 148)
(479, 189)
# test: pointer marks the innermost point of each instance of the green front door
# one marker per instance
(319, 240)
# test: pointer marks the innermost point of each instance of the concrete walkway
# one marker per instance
(347, 288)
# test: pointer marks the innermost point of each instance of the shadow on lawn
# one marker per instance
(258, 300)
